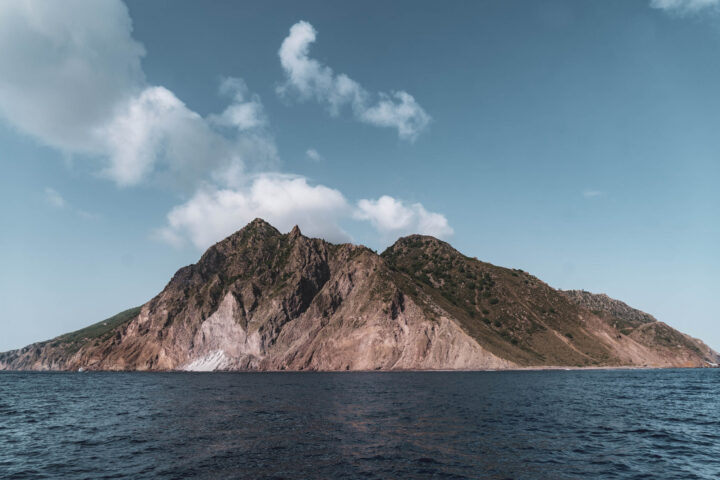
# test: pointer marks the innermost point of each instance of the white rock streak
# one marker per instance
(215, 360)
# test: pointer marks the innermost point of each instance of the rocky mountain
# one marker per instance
(623, 317)
(643, 327)
(262, 300)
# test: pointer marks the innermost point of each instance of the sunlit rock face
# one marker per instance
(262, 300)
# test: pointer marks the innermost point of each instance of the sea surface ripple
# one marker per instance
(620, 424)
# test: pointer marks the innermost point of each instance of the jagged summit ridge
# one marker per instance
(264, 300)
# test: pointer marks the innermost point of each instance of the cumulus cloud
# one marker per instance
(155, 127)
(313, 155)
(398, 110)
(684, 6)
(309, 79)
(72, 79)
(286, 200)
(392, 218)
(246, 112)
(155, 131)
(283, 200)
(66, 66)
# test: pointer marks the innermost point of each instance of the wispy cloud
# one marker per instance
(313, 155)
(53, 198)
(685, 6)
(87, 215)
(592, 193)
(310, 79)
(56, 200)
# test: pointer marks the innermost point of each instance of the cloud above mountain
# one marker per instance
(213, 213)
(73, 80)
(393, 218)
(309, 79)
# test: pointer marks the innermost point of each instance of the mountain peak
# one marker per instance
(258, 226)
(258, 223)
(255, 233)
(425, 243)
(295, 232)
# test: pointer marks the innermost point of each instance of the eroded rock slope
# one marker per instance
(262, 300)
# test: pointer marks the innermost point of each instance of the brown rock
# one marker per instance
(261, 300)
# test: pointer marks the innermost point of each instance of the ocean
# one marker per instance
(617, 424)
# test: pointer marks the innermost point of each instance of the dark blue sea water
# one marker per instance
(495, 425)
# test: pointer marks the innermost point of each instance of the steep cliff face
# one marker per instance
(262, 300)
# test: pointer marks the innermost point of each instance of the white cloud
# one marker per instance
(54, 198)
(246, 112)
(313, 155)
(403, 113)
(142, 130)
(156, 131)
(393, 218)
(72, 79)
(286, 200)
(283, 200)
(65, 67)
(310, 79)
(684, 6)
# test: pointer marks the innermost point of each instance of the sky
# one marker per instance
(575, 140)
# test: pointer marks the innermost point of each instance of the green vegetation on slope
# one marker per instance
(101, 330)
(509, 312)
(58, 350)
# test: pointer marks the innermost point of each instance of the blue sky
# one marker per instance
(574, 140)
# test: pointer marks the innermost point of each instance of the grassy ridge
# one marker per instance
(100, 330)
